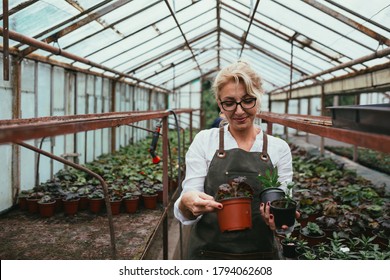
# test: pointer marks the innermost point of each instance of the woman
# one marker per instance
(247, 151)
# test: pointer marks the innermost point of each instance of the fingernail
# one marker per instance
(271, 216)
(261, 204)
(268, 203)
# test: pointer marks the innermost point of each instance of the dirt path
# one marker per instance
(83, 236)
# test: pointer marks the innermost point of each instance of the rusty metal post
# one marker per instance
(165, 185)
(113, 104)
(5, 41)
(16, 113)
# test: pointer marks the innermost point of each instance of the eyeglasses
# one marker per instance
(247, 103)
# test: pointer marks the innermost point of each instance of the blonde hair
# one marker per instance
(239, 71)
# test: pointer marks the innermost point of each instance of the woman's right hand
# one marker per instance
(195, 203)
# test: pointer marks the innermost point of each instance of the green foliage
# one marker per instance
(46, 199)
(270, 179)
(373, 159)
(96, 194)
(312, 229)
(25, 193)
(290, 239)
(71, 196)
(209, 104)
(148, 190)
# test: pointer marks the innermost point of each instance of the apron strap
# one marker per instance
(264, 155)
(221, 151)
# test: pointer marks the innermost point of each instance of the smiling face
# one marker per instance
(239, 119)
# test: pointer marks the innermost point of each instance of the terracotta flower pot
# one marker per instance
(58, 204)
(22, 203)
(83, 204)
(131, 205)
(32, 205)
(236, 214)
(116, 207)
(160, 196)
(47, 210)
(70, 206)
(150, 201)
(95, 205)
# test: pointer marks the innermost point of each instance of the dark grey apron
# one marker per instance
(206, 240)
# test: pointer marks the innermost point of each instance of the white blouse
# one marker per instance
(202, 150)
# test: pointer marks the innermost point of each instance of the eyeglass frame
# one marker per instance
(238, 103)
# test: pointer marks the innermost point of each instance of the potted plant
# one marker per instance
(284, 211)
(313, 234)
(149, 197)
(312, 211)
(328, 225)
(46, 206)
(70, 203)
(270, 183)
(236, 198)
(22, 199)
(32, 201)
(115, 203)
(289, 245)
(322, 251)
(301, 247)
(159, 189)
(131, 202)
(96, 200)
(83, 192)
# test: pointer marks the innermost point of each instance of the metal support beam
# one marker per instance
(25, 129)
(365, 30)
(184, 36)
(321, 126)
(249, 27)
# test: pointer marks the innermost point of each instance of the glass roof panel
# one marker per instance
(143, 36)
(39, 16)
(140, 19)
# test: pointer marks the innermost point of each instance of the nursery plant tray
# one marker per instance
(369, 118)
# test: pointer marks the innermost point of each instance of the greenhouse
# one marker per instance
(103, 103)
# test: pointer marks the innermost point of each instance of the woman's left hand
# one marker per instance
(269, 218)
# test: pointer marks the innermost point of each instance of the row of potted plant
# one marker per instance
(129, 173)
(48, 198)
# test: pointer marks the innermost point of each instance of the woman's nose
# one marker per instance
(239, 109)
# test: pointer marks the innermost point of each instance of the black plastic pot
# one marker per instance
(271, 194)
(289, 249)
(283, 216)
